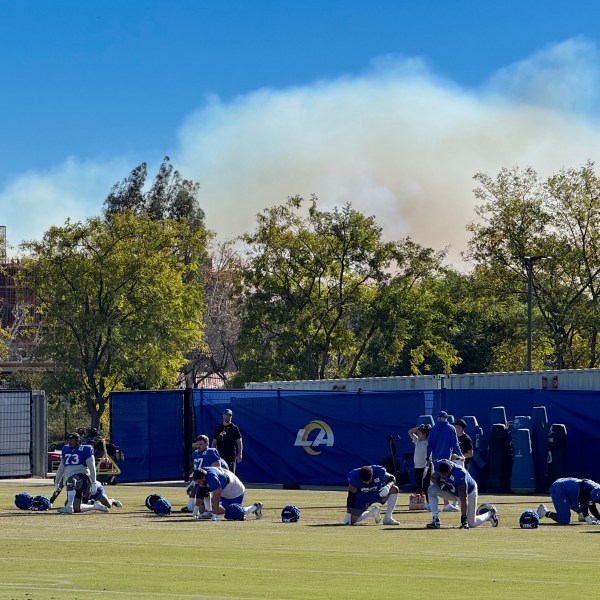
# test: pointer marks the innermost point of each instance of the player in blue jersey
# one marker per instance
(77, 470)
(442, 444)
(203, 456)
(451, 481)
(366, 486)
(225, 489)
(572, 494)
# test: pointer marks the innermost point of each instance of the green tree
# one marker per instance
(522, 215)
(321, 291)
(114, 304)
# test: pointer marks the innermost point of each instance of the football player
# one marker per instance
(572, 494)
(78, 471)
(367, 485)
(451, 481)
(203, 456)
(225, 489)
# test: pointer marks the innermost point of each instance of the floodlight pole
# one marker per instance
(528, 263)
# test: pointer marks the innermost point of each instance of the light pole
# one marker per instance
(528, 264)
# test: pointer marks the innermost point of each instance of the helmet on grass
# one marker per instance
(290, 514)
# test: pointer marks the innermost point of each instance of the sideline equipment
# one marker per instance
(529, 520)
(151, 500)
(235, 512)
(23, 500)
(41, 503)
(162, 507)
(290, 514)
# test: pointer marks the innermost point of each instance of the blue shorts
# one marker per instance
(225, 502)
(364, 499)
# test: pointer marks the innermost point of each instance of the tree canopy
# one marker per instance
(322, 291)
(114, 303)
(556, 221)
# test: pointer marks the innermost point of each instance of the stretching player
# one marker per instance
(367, 485)
(451, 481)
(571, 494)
(225, 489)
(203, 456)
(78, 471)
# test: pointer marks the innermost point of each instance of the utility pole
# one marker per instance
(528, 264)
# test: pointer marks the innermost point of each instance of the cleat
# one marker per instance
(435, 524)
(100, 507)
(542, 510)
(450, 508)
(258, 511)
(117, 503)
(185, 509)
(494, 516)
(207, 515)
(66, 510)
(390, 521)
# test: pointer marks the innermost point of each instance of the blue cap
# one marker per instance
(227, 412)
(442, 414)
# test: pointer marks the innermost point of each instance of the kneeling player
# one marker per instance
(225, 489)
(367, 485)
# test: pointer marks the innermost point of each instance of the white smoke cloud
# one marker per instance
(396, 141)
(34, 201)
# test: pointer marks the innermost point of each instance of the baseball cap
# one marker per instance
(461, 423)
(227, 412)
(442, 414)
(73, 436)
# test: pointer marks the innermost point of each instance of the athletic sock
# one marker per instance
(390, 505)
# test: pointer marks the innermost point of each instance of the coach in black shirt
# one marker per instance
(227, 439)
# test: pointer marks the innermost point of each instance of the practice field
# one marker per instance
(131, 553)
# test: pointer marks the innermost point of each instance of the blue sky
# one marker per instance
(390, 105)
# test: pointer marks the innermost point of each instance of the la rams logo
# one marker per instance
(324, 437)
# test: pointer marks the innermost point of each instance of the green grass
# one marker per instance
(131, 553)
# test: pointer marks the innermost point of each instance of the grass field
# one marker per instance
(131, 553)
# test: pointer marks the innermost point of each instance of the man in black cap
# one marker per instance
(227, 439)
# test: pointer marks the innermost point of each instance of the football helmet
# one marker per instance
(162, 507)
(235, 512)
(23, 500)
(529, 520)
(290, 514)
(41, 503)
(150, 501)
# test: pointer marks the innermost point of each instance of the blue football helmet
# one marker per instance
(290, 514)
(162, 507)
(235, 512)
(529, 520)
(151, 501)
(23, 500)
(41, 503)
